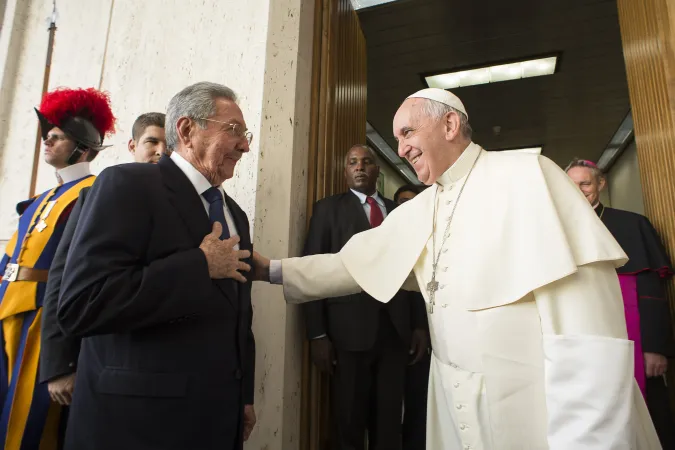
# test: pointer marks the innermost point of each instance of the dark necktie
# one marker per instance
(376, 216)
(217, 209)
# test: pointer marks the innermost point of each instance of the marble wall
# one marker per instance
(142, 53)
(392, 178)
(624, 183)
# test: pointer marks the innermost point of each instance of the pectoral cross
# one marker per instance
(432, 287)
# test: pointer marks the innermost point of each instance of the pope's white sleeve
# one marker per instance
(590, 390)
(316, 277)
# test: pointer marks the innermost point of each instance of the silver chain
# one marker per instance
(432, 286)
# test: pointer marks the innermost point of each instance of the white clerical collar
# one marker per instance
(72, 173)
(198, 180)
(461, 167)
(362, 197)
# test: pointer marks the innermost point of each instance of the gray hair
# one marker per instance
(438, 110)
(366, 148)
(197, 102)
(595, 170)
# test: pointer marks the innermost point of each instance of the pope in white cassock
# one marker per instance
(529, 338)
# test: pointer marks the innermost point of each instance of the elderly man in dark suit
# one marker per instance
(365, 344)
(167, 360)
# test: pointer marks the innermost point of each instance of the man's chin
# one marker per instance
(223, 176)
(49, 159)
(424, 178)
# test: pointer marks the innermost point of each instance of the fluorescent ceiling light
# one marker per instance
(494, 74)
(535, 150)
(622, 137)
(360, 4)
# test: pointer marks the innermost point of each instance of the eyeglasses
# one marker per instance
(235, 130)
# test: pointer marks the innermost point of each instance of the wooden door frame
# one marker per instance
(338, 114)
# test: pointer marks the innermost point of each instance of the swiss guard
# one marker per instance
(73, 124)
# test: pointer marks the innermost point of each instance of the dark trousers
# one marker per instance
(63, 424)
(415, 405)
(367, 393)
(658, 403)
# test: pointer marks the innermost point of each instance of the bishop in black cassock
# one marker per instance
(648, 318)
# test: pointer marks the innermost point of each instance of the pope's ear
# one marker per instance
(453, 125)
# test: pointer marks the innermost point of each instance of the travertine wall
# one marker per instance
(625, 186)
(140, 52)
(392, 179)
(145, 52)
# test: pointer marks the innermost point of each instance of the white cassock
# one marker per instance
(529, 338)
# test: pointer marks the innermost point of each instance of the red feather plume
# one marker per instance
(90, 104)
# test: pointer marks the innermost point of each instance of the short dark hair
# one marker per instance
(367, 148)
(151, 119)
(407, 188)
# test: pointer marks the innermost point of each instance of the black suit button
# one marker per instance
(238, 374)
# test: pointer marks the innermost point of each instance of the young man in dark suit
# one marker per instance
(365, 345)
(167, 357)
(59, 353)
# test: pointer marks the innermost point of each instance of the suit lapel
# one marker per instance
(388, 204)
(355, 209)
(185, 199)
(240, 222)
(188, 203)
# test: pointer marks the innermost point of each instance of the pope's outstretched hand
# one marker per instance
(261, 267)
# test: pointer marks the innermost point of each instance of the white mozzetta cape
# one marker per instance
(529, 337)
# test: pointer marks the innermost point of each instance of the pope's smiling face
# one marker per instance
(424, 140)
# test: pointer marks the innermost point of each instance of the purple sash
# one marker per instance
(630, 304)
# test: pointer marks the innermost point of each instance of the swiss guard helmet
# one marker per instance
(84, 115)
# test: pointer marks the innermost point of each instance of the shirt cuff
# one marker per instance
(276, 275)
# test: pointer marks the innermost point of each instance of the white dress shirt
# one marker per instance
(72, 173)
(366, 207)
(201, 185)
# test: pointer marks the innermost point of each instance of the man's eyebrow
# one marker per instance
(403, 130)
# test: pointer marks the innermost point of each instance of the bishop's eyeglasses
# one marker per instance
(235, 130)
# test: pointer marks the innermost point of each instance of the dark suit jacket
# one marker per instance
(351, 322)
(58, 352)
(167, 360)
